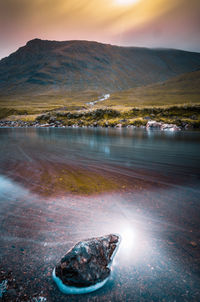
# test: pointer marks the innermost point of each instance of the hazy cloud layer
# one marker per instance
(151, 23)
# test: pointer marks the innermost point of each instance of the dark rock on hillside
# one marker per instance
(42, 66)
(87, 263)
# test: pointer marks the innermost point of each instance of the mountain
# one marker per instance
(182, 89)
(49, 66)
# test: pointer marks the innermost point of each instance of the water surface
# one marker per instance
(154, 204)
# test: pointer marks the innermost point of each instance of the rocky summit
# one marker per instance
(87, 263)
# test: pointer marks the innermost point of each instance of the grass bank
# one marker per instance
(180, 115)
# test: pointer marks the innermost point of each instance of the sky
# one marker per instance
(149, 23)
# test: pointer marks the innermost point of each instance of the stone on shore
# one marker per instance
(86, 267)
(161, 126)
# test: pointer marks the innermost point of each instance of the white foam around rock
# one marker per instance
(76, 290)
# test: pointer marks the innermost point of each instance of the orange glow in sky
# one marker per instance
(126, 2)
(150, 23)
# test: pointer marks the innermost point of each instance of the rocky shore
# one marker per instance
(172, 118)
(150, 125)
(162, 126)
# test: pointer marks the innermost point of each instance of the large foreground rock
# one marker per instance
(86, 266)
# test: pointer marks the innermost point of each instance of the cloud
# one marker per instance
(101, 20)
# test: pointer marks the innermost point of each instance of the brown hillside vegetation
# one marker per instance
(50, 67)
(180, 90)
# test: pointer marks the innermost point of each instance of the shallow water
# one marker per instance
(159, 257)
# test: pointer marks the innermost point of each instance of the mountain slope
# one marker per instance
(182, 89)
(49, 66)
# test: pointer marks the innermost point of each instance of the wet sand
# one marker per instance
(154, 205)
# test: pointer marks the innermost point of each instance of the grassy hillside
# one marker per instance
(181, 90)
(174, 101)
(34, 104)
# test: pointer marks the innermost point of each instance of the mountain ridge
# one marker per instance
(38, 40)
(45, 65)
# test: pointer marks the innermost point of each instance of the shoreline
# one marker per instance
(170, 118)
(158, 126)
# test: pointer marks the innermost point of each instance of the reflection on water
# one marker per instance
(158, 259)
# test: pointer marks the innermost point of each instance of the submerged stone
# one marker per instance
(86, 267)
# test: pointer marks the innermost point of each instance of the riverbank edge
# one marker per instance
(154, 126)
(177, 117)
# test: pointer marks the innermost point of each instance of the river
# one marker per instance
(145, 186)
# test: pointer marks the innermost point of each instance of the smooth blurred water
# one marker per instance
(167, 152)
(156, 260)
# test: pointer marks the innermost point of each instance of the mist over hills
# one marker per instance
(49, 66)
